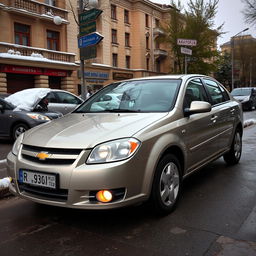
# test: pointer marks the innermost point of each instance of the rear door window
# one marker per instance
(216, 92)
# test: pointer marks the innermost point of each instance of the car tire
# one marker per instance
(234, 154)
(166, 185)
(18, 129)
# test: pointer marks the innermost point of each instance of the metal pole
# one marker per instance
(82, 66)
(186, 65)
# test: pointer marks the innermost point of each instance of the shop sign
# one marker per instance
(32, 70)
(21, 70)
(102, 75)
(55, 72)
(95, 81)
(122, 76)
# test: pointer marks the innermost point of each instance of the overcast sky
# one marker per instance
(229, 12)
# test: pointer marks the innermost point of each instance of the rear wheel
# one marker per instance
(166, 185)
(18, 129)
(233, 156)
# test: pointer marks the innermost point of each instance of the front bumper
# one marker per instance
(78, 182)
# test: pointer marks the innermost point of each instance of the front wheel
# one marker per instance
(166, 185)
(234, 154)
(18, 129)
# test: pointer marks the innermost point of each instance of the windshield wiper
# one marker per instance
(121, 110)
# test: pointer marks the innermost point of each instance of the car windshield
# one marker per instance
(241, 92)
(134, 96)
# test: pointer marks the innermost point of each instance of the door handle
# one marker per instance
(214, 119)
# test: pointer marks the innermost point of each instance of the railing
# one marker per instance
(160, 52)
(158, 31)
(21, 50)
(38, 8)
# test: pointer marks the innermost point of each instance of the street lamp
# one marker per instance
(232, 56)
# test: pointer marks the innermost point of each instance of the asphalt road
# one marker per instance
(216, 216)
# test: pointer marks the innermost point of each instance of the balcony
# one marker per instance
(159, 53)
(158, 31)
(27, 53)
(36, 9)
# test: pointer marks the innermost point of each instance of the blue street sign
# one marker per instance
(89, 40)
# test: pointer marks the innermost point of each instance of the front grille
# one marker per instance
(56, 156)
(44, 193)
(49, 161)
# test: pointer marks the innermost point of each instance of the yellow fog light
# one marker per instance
(104, 196)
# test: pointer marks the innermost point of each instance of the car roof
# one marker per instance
(178, 76)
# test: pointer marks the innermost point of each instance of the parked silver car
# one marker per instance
(164, 129)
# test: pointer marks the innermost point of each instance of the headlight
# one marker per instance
(113, 151)
(17, 145)
(38, 117)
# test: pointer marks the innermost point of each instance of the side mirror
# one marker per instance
(197, 107)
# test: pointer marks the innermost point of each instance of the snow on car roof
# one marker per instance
(27, 99)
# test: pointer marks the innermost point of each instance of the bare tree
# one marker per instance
(250, 11)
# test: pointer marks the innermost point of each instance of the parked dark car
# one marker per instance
(245, 95)
(16, 121)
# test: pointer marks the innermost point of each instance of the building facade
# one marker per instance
(39, 46)
(129, 48)
(243, 49)
(34, 46)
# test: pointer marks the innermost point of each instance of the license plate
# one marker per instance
(37, 179)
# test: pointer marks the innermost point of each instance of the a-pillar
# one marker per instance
(41, 81)
(68, 84)
(3, 83)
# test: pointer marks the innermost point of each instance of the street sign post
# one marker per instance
(87, 28)
(89, 15)
(87, 53)
(89, 40)
(185, 51)
(186, 42)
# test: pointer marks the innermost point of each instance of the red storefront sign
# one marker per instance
(32, 70)
(21, 70)
(55, 72)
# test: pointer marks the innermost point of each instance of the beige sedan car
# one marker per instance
(162, 130)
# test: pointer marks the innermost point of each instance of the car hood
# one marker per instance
(27, 99)
(88, 130)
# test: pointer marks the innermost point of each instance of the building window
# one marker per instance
(157, 44)
(127, 39)
(114, 36)
(113, 12)
(22, 34)
(146, 20)
(157, 23)
(114, 59)
(147, 42)
(147, 61)
(158, 66)
(126, 16)
(128, 61)
(50, 2)
(53, 39)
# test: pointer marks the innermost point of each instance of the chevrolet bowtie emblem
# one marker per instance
(42, 155)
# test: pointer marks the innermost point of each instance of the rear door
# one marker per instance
(200, 130)
(223, 113)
